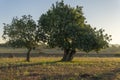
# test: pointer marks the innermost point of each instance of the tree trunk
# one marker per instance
(66, 52)
(68, 55)
(71, 54)
(28, 55)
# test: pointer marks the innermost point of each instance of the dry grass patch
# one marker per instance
(50, 68)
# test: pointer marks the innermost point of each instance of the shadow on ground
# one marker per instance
(29, 64)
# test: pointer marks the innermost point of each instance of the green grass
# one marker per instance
(50, 68)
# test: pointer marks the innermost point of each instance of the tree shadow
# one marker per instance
(28, 64)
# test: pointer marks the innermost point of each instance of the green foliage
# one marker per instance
(21, 32)
(65, 27)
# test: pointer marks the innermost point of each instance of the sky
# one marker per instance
(99, 13)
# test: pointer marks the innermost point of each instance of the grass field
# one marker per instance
(46, 66)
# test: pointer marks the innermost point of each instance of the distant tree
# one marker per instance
(65, 27)
(21, 33)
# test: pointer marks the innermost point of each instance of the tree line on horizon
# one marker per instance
(61, 26)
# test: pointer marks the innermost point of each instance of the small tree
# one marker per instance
(21, 33)
(65, 27)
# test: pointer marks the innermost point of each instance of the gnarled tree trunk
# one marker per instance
(68, 55)
(28, 55)
(71, 55)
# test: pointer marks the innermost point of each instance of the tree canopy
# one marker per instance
(61, 26)
(21, 33)
(65, 27)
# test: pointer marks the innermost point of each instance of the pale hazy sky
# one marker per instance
(99, 13)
